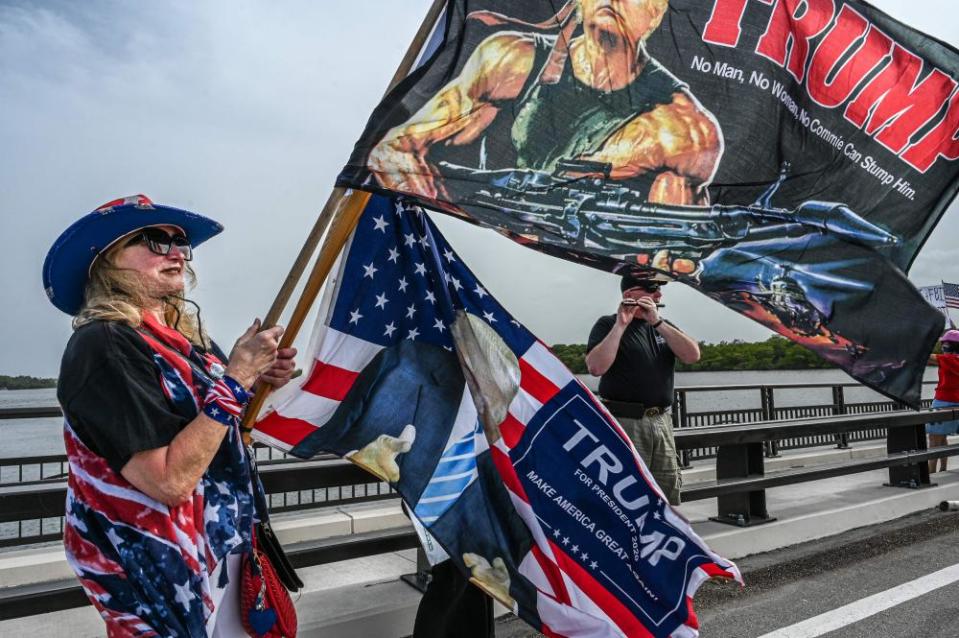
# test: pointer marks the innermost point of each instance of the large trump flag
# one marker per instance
(508, 465)
(788, 158)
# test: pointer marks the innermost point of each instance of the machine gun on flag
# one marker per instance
(590, 209)
(578, 206)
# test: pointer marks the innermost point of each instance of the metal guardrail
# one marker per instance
(42, 469)
(337, 482)
(740, 489)
(43, 598)
(683, 417)
(289, 495)
(802, 475)
(48, 500)
(49, 411)
(740, 474)
(768, 410)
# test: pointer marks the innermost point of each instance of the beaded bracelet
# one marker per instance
(225, 401)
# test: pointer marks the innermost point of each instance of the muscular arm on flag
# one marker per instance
(681, 139)
(457, 114)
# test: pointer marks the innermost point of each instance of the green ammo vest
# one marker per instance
(569, 119)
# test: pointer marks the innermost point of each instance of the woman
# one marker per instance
(947, 394)
(160, 499)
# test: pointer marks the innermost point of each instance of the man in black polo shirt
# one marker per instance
(633, 352)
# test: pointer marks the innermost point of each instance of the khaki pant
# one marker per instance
(653, 438)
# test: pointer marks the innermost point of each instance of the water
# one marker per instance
(31, 437)
(706, 401)
(734, 399)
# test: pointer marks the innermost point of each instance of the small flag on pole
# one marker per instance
(951, 294)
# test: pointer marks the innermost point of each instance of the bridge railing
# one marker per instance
(739, 488)
(24, 469)
(741, 481)
(765, 408)
(42, 469)
(51, 470)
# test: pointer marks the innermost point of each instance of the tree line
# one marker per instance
(25, 383)
(775, 353)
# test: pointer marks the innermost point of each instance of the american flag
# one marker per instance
(387, 292)
(951, 294)
(547, 506)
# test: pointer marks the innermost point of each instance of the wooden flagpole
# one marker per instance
(340, 214)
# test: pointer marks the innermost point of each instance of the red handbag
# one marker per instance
(266, 609)
(267, 576)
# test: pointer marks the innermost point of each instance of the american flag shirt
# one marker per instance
(148, 568)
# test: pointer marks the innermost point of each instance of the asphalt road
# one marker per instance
(895, 580)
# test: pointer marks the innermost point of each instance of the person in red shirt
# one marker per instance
(947, 394)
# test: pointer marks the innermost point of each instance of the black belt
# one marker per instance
(634, 410)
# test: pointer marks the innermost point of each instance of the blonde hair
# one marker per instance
(118, 294)
(663, 7)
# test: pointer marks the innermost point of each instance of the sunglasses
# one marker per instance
(649, 287)
(161, 243)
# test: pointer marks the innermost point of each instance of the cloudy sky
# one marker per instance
(245, 110)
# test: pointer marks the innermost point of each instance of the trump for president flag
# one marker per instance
(503, 458)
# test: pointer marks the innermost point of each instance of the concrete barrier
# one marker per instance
(364, 596)
(48, 562)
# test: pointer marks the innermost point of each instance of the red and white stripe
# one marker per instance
(565, 606)
(141, 201)
(91, 481)
(338, 363)
(180, 366)
(221, 394)
(542, 376)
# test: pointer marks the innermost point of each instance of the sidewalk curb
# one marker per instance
(736, 542)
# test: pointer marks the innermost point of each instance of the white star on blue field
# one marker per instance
(402, 281)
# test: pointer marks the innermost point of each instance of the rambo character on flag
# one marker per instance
(623, 115)
(504, 459)
(621, 109)
(786, 159)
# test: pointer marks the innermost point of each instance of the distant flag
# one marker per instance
(504, 458)
(950, 293)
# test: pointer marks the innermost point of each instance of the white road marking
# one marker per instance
(854, 612)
